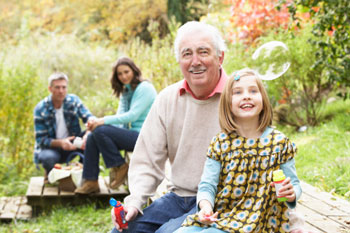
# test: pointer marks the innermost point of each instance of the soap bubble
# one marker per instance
(271, 60)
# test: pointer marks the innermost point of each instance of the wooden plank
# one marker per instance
(3, 201)
(24, 211)
(35, 187)
(50, 191)
(320, 222)
(11, 208)
(311, 228)
(344, 221)
(320, 206)
(122, 190)
(103, 187)
(66, 193)
(328, 198)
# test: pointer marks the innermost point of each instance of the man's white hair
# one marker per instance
(195, 26)
(57, 76)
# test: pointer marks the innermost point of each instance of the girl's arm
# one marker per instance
(207, 188)
(290, 171)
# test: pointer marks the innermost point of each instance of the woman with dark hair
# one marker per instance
(110, 134)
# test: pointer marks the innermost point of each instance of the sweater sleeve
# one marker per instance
(142, 98)
(290, 171)
(207, 188)
(147, 165)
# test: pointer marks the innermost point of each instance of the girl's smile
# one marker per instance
(246, 99)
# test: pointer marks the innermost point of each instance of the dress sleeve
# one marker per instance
(214, 151)
(288, 151)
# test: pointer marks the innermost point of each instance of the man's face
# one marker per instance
(58, 90)
(199, 62)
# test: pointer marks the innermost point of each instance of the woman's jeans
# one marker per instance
(107, 140)
(164, 215)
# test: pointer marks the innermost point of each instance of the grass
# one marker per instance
(323, 152)
(82, 219)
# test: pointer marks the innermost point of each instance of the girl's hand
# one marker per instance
(206, 215)
(287, 190)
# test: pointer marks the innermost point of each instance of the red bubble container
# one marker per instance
(119, 213)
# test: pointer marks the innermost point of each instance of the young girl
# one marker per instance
(236, 193)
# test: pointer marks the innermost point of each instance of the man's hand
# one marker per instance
(130, 212)
(287, 190)
(66, 144)
(84, 139)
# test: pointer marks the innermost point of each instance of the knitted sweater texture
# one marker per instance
(178, 128)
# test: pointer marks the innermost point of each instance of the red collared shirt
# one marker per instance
(218, 89)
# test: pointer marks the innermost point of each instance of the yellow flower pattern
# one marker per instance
(245, 200)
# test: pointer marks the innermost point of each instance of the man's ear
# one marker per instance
(221, 58)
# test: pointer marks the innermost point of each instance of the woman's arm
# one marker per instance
(142, 99)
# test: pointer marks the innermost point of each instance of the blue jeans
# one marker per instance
(48, 157)
(107, 140)
(164, 215)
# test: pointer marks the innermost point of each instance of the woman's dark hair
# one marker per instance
(117, 85)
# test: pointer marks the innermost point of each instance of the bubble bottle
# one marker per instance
(119, 213)
(278, 177)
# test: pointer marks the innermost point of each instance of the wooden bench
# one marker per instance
(42, 196)
(323, 212)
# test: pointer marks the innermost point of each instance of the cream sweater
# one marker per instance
(178, 128)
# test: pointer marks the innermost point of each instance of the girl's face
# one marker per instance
(125, 74)
(247, 101)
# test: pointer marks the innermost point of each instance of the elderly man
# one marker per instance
(56, 122)
(179, 127)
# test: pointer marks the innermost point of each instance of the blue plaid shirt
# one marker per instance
(45, 120)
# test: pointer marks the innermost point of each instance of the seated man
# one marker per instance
(179, 127)
(56, 123)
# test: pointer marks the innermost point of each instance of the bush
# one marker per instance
(301, 92)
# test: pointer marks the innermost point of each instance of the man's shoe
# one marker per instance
(89, 186)
(118, 175)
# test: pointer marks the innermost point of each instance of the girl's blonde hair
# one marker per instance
(226, 117)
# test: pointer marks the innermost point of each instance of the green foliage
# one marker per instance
(322, 158)
(187, 10)
(157, 61)
(18, 97)
(333, 51)
(113, 21)
(300, 93)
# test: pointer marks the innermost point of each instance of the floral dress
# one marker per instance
(245, 200)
